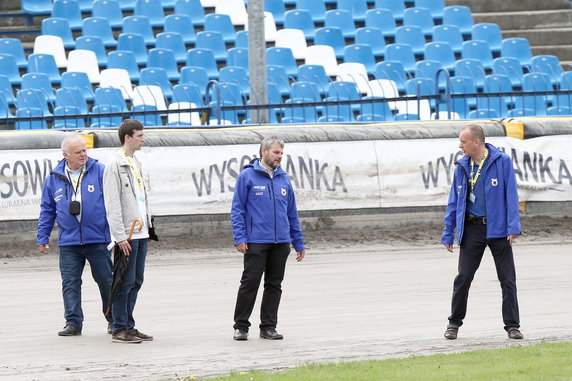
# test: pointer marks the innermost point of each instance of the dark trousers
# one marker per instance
(472, 248)
(270, 259)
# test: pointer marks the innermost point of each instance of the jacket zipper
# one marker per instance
(271, 185)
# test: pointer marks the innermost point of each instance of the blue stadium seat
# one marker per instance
(152, 10)
(5, 112)
(420, 17)
(203, 58)
(360, 53)
(78, 122)
(278, 77)
(33, 98)
(36, 7)
(191, 8)
(490, 33)
(127, 5)
(413, 36)
(214, 42)
(78, 80)
(215, 22)
(39, 81)
(435, 7)
(357, 8)
(158, 77)
(394, 71)
(564, 100)
(397, 7)
(317, 9)
(110, 10)
(451, 34)
(518, 48)
(55, 26)
(343, 20)
(237, 75)
(479, 50)
(237, 57)
(464, 86)
(460, 16)
(85, 5)
(496, 83)
(305, 90)
(150, 116)
(10, 68)
(442, 52)
(555, 110)
(124, 59)
(282, 57)
(99, 26)
(174, 42)
(376, 111)
(95, 44)
(315, 74)
(110, 96)
(231, 96)
(482, 114)
(194, 75)
(300, 19)
(100, 120)
(343, 90)
(382, 19)
(539, 83)
(402, 53)
(71, 97)
(189, 92)
(373, 37)
(134, 43)
(69, 10)
(46, 64)
(183, 25)
(241, 39)
(140, 25)
(164, 59)
(428, 69)
(331, 36)
(30, 124)
(334, 113)
(277, 8)
(299, 114)
(509, 66)
(421, 87)
(14, 47)
(519, 112)
(472, 69)
(6, 90)
(547, 64)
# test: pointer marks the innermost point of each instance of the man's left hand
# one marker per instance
(511, 237)
(300, 255)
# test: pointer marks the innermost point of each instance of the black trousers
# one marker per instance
(472, 248)
(270, 259)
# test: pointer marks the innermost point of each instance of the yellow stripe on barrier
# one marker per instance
(515, 129)
(88, 139)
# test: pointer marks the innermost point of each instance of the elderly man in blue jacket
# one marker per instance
(73, 195)
(483, 207)
(264, 224)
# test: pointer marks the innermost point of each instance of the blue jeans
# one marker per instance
(72, 262)
(124, 303)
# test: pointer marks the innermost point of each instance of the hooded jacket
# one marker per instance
(56, 197)
(501, 198)
(264, 208)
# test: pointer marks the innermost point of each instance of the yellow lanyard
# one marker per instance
(74, 183)
(134, 168)
(474, 180)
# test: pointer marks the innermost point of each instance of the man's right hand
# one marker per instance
(43, 248)
(242, 247)
(125, 247)
(449, 247)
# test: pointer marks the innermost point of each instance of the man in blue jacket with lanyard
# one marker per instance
(483, 207)
(73, 195)
(264, 223)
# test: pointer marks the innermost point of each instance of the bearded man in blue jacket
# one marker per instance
(73, 195)
(483, 207)
(264, 224)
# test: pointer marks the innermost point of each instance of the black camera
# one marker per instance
(75, 208)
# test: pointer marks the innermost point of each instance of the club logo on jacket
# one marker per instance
(283, 191)
(91, 188)
(494, 182)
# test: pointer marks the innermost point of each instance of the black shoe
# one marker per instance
(270, 334)
(70, 330)
(515, 334)
(451, 332)
(240, 334)
(109, 328)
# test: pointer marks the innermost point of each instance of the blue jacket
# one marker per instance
(501, 197)
(56, 197)
(264, 209)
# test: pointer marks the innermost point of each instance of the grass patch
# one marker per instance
(543, 361)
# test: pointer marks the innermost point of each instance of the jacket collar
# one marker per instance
(60, 169)
(260, 168)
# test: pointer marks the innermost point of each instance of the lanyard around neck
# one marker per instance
(474, 180)
(134, 168)
(75, 185)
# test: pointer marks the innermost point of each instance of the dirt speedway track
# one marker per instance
(346, 301)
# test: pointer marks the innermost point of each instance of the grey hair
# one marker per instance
(476, 131)
(269, 142)
(74, 136)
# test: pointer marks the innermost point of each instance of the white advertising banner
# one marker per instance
(325, 175)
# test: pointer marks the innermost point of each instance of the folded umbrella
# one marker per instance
(120, 262)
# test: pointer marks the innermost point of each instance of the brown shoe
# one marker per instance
(515, 334)
(141, 335)
(123, 336)
(451, 332)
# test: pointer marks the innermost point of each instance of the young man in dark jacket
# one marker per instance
(73, 194)
(264, 223)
